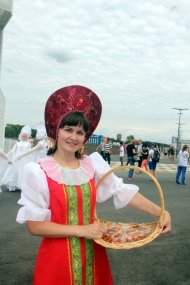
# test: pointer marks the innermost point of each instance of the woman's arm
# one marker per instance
(149, 155)
(54, 230)
(141, 203)
(134, 151)
(98, 147)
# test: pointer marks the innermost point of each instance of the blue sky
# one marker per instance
(134, 54)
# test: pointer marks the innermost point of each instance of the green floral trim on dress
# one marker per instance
(86, 192)
(89, 261)
(75, 242)
(72, 205)
(76, 260)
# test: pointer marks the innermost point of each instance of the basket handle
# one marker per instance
(158, 187)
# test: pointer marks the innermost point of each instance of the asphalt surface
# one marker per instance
(164, 261)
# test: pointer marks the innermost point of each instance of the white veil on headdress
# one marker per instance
(41, 131)
(25, 130)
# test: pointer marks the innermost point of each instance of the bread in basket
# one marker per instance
(130, 235)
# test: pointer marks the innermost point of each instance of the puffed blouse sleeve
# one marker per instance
(113, 185)
(34, 196)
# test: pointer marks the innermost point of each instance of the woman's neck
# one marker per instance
(66, 160)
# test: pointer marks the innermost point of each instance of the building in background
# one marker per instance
(119, 137)
(5, 15)
(95, 139)
(182, 142)
(185, 142)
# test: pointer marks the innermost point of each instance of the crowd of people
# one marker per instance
(139, 154)
(146, 158)
(169, 152)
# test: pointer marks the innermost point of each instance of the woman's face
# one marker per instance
(24, 137)
(71, 138)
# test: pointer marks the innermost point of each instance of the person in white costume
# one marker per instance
(59, 194)
(42, 141)
(40, 149)
(5, 166)
(21, 147)
(34, 154)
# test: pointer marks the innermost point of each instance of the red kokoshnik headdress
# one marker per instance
(69, 99)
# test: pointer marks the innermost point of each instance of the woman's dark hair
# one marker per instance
(185, 147)
(75, 119)
(72, 119)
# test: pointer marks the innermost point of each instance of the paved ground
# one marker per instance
(165, 261)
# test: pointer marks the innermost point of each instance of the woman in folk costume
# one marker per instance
(42, 141)
(33, 155)
(5, 168)
(21, 147)
(58, 195)
(41, 145)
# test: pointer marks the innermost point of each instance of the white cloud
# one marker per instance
(133, 54)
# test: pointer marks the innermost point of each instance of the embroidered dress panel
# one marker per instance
(68, 240)
(80, 198)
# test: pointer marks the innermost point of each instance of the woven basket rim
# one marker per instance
(157, 229)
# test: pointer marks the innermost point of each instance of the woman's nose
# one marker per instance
(74, 135)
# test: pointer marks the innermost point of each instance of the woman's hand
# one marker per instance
(54, 230)
(91, 231)
(166, 223)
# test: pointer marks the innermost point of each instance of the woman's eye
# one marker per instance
(81, 133)
(68, 130)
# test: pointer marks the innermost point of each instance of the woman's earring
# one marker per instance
(81, 151)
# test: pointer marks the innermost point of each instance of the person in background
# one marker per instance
(139, 152)
(59, 195)
(41, 141)
(108, 150)
(121, 153)
(182, 165)
(102, 148)
(127, 160)
(165, 150)
(144, 157)
(151, 162)
(172, 153)
(169, 152)
(40, 148)
(131, 152)
(5, 168)
(34, 154)
(21, 147)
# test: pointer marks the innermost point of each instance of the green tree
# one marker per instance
(130, 138)
(13, 131)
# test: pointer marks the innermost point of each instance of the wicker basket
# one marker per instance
(152, 229)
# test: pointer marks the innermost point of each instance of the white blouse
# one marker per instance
(183, 158)
(35, 192)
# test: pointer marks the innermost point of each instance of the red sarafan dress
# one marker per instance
(68, 197)
(71, 261)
